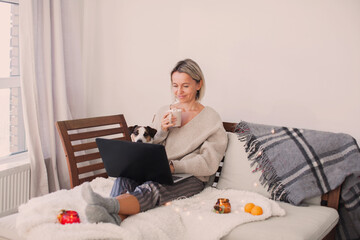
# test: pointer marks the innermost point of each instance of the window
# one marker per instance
(12, 134)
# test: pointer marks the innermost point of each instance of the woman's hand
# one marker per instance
(172, 169)
(166, 122)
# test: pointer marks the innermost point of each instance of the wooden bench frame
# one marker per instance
(77, 145)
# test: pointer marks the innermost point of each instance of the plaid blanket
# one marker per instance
(297, 164)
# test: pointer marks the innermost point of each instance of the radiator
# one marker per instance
(14, 188)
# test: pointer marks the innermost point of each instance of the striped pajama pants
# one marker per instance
(151, 194)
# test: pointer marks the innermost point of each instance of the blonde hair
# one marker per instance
(191, 68)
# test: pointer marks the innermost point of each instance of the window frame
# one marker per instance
(8, 83)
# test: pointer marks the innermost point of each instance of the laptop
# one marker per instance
(140, 162)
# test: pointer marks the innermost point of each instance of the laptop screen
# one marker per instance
(140, 162)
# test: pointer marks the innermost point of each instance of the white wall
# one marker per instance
(282, 62)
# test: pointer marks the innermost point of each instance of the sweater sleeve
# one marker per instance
(160, 135)
(205, 161)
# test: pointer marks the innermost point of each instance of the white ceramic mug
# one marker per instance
(177, 114)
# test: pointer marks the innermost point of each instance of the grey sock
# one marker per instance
(96, 214)
(110, 204)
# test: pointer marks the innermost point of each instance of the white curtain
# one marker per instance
(48, 66)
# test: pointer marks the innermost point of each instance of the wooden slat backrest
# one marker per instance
(229, 127)
(78, 140)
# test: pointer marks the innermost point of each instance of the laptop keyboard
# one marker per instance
(175, 177)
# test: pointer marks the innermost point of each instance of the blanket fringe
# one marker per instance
(258, 157)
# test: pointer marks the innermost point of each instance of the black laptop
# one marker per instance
(138, 161)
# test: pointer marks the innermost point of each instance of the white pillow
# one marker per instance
(236, 172)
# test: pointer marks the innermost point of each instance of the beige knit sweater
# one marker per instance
(197, 147)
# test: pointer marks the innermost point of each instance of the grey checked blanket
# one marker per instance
(297, 164)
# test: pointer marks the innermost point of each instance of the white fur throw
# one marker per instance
(190, 218)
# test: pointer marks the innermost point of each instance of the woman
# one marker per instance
(196, 147)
